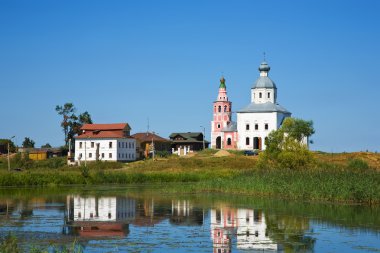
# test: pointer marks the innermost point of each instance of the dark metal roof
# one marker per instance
(264, 82)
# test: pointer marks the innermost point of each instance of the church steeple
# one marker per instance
(264, 90)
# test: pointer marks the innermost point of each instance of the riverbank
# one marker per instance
(333, 179)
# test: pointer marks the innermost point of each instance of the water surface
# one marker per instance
(140, 219)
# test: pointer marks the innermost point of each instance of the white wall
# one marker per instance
(122, 149)
(261, 119)
(255, 95)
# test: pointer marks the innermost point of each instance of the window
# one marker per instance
(268, 94)
(133, 145)
(129, 145)
(219, 108)
(102, 155)
(225, 108)
(247, 141)
(110, 155)
(260, 95)
(229, 141)
(119, 144)
(119, 155)
(80, 144)
(247, 127)
(90, 155)
(122, 144)
(218, 125)
(256, 126)
(92, 144)
(110, 144)
(266, 126)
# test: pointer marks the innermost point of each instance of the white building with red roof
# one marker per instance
(105, 142)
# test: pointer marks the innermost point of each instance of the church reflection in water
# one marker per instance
(112, 216)
(249, 227)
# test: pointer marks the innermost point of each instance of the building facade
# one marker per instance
(105, 142)
(254, 122)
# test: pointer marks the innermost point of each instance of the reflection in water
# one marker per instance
(248, 225)
(164, 224)
(103, 216)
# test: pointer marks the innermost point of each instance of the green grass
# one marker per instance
(352, 182)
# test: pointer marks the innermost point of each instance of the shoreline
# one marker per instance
(329, 181)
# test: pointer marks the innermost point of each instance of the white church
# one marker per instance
(254, 122)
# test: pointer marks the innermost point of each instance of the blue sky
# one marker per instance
(127, 61)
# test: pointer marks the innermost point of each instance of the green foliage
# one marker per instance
(284, 147)
(163, 154)
(67, 112)
(85, 171)
(28, 143)
(357, 164)
(297, 128)
(9, 244)
(47, 145)
(12, 147)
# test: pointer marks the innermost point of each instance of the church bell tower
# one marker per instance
(221, 115)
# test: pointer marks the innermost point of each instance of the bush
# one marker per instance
(9, 244)
(357, 164)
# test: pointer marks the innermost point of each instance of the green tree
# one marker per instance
(12, 147)
(47, 145)
(68, 114)
(285, 147)
(72, 123)
(28, 143)
(298, 128)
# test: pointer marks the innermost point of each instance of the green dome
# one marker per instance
(222, 83)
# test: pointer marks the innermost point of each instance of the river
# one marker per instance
(143, 219)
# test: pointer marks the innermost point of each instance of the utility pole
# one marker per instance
(9, 163)
(203, 137)
(153, 146)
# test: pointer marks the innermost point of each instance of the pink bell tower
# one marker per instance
(221, 116)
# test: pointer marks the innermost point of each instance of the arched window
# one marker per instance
(229, 141)
(260, 95)
(219, 108)
(268, 94)
(247, 141)
(225, 108)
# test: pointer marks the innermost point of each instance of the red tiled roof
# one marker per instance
(147, 137)
(116, 126)
(103, 134)
(104, 131)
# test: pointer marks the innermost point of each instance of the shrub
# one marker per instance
(9, 244)
(357, 164)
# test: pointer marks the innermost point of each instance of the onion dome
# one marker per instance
(222, 83)
(264, 67)
(264, 81)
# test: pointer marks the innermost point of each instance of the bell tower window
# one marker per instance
(260, 95)
(268, 94)
(219, 108)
